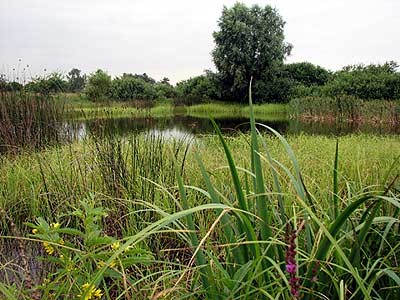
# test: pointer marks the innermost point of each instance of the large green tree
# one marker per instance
(250, 43)
(76, 81)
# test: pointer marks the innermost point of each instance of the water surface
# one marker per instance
(183, 126)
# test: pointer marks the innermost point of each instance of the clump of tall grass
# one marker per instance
(135, 168)
(29, 120)
(346, 108)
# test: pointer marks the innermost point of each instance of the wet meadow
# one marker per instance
(214, 201)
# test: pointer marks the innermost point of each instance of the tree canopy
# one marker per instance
(249, 43)
(76, 81)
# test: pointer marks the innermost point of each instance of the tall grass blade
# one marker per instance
(259, 188)
(337, 224)
(228, 232)
(244, 225)
(355, 252)
(335, 183)
(200, 258)
(6, 291)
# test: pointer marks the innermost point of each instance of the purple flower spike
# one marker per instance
(291, 263)
(291, 268)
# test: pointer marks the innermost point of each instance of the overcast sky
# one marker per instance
(174, 38)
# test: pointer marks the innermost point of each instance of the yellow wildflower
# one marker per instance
(34, 231)
(55, 225)
(85, 285)
(91, 292)
(61, 256)
(48, 248)
(100, 264)
(61, 242)
(98, 293)
(115, 245)
(70, 268)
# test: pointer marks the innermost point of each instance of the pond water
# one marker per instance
(184, 126)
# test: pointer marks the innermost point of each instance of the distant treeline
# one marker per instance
(296, 80)
(299, 80)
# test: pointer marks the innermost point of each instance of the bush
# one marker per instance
(129, 87)
(366, 82)
(273, 87)
(307, 74)
(98, 87)
(197, 89)
(12, 86)
(50, 84)
(369, 82)
(164, 90)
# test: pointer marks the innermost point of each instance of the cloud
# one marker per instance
(174, 38)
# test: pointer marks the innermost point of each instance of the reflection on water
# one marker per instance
(187, 127)
(171, 133)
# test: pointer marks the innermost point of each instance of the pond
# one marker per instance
(183, 126)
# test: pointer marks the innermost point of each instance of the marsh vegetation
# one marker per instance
(132, 188)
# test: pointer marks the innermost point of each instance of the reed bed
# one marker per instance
(29, 121)
(346, 108)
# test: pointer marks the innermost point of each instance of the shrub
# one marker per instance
(98, 87)
(164, 90)
(129, 87)
(307, 74)
(365, 82)
(50, 84)
(197, 89)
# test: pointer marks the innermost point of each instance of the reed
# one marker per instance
(29, 121)
(346, 108)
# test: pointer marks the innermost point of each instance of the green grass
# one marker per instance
(266, 112)
(79, 107)
(73, 170)
(211, 220)
(118, 110)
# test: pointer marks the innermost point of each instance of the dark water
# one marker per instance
(181, 125)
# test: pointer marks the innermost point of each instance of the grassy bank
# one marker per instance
(267, 112)
(134, 182)
(79, 107)
(70, 172)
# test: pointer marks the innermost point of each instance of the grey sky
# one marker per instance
(174, 38)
